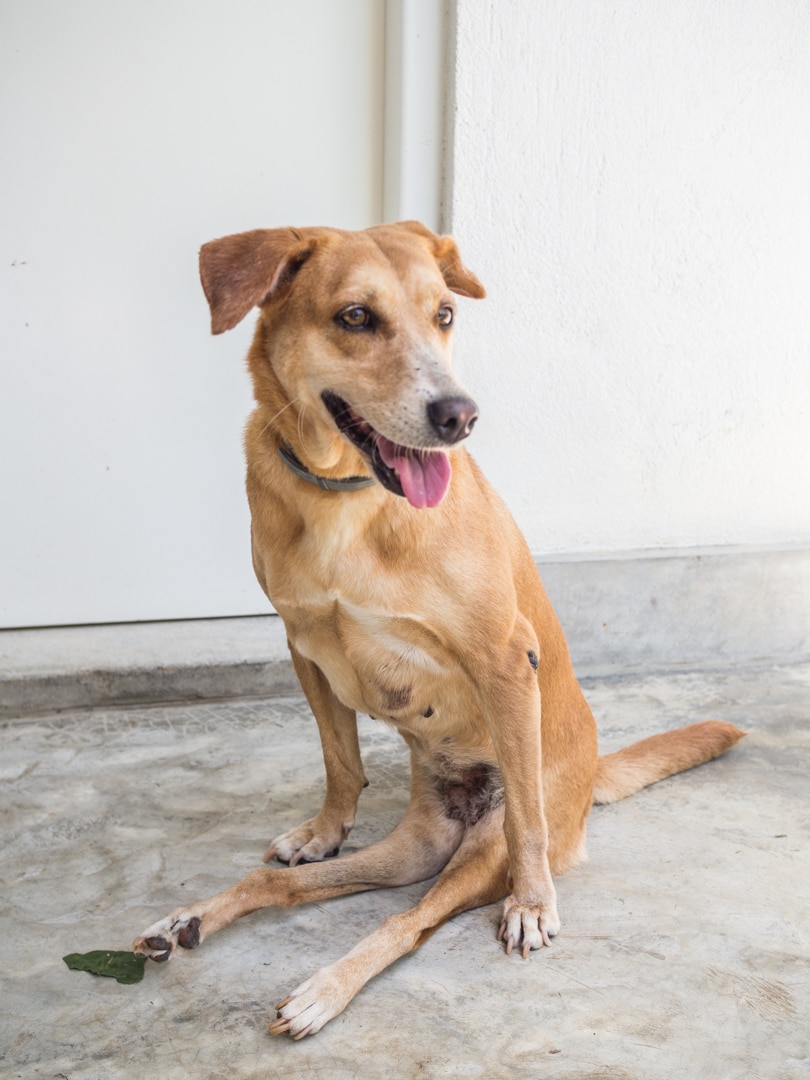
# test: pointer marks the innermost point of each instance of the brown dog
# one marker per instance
(408, 593)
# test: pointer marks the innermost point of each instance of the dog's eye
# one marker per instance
(355, 317)
(445, 315)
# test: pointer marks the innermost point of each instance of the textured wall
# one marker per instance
(631, 182)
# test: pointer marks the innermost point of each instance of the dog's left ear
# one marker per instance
(458, 278)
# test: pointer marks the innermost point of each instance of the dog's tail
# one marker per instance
(628, 771)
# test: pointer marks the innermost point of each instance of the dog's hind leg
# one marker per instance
(321, 836)
(419, 847)
(476, 875)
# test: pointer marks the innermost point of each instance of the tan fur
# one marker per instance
(432, 619)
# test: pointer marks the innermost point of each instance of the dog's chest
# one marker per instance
(375, 663)
(393, 669)
(375, 631)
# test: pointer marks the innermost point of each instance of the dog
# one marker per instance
(408, 593)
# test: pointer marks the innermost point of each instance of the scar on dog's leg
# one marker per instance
(321, 836)
(475, 875)
(416, 849)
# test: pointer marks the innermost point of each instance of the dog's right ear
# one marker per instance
(238, 272)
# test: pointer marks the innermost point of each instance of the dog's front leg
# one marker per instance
(321, 836)
(510, 697)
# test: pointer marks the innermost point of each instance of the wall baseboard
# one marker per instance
(632, 614)
(685, 609)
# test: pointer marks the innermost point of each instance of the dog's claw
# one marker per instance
(508, 939)
(279, 1026)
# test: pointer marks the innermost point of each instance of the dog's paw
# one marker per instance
(310, 1006)
(528, 927)
(181, 929)
(310, 842)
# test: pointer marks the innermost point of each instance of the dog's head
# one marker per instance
(357, 329)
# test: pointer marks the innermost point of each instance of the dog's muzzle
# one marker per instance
(420, 476)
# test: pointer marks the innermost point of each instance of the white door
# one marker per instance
(132, 133)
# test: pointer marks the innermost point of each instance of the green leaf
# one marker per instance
(126, 967)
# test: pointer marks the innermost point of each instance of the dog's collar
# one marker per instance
(347, 483)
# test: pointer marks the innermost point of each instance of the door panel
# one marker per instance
(131, 134)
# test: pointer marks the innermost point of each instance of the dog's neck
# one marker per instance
(327, 483)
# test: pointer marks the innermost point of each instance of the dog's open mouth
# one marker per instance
(420, 476)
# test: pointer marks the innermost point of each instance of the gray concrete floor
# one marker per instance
(683, 952)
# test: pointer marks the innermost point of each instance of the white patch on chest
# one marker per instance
(368, 662)
(380, 629)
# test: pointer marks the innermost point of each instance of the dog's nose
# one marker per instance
(452, 418)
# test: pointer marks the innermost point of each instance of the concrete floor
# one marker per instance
(684, 948)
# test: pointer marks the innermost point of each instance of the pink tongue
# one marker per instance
(424, 474)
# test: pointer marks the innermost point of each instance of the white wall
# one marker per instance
(632, 183)
(129, 135)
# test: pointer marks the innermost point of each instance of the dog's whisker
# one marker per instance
(275, 417)
(301, 435)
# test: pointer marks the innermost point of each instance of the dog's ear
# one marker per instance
(238, 272)
(458, 278)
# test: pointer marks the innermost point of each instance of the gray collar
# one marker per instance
(348, 483)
